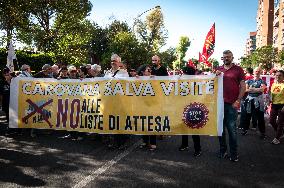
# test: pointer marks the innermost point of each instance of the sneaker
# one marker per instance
(143, 145)
(275, 141)
(79, 138)
(223, 155)
(152, 147)
(245, 132)
(197, 154)
(234, 159)
(67, 136)
(183, 148)
(281, 137)
(253, 128)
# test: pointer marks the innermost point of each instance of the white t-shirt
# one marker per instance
(121, 73)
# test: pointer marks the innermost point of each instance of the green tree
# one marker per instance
(281, 57)
(116, 27)
(13, 15)
(246, 62)
(128, 48)
(73, 47)
(99, 44)
(49, 17)
(181, 49)
(168, 57)
(265, 57)
(215, 63)
(152, 31)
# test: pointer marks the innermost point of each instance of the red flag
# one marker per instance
(202, 57)
(208, 63)
(209, 43)
(190, 63)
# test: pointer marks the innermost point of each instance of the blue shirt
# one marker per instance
(255, 84)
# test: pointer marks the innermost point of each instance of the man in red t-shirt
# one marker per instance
(234, 89)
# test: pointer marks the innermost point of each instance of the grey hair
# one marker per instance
(115, 57)
(228, 52)
(24, 67)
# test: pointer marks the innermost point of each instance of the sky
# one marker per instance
(234, 19)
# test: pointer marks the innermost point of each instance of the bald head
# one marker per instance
(156, 61)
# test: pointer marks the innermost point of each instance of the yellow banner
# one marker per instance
(160, 105)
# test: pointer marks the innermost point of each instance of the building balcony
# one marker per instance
(276, 22)
(276, 9)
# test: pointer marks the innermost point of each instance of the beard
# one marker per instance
(227, 62)
(154, 65)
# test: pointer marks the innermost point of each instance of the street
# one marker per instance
(50, 161)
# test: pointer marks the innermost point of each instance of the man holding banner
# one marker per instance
(234, 89)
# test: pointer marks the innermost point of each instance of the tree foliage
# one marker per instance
(181, 49)
(168, 57)
(47, 18)
(265, 57)
(60, 32)
(13, 15)
(152, 31)
(130, 50)
(74, 46)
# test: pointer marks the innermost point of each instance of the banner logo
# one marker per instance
(195, 115)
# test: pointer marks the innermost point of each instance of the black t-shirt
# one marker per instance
(41, 75)
(5, 92)
(162, 71)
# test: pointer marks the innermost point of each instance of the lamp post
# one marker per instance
(135, 19)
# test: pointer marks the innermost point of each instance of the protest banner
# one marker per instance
(175, 105)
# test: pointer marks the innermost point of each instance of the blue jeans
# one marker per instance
(230, 119)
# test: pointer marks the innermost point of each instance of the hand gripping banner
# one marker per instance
(175, 105)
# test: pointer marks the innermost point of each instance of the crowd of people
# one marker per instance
(240, 90)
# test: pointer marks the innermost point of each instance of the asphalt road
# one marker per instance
(50, 161)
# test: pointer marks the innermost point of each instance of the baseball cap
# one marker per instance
(46, 67)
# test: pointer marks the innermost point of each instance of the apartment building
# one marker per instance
(250, 44)
(278, 25)
(265, 16)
